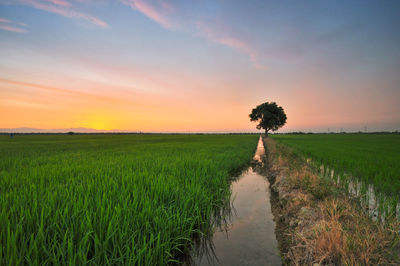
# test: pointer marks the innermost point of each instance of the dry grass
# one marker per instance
(320, 224)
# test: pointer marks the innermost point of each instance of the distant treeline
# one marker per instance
(119, 133)
(156, 133)
(344, 132)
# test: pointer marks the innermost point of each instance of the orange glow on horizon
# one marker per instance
(28, 104)
(171, 105)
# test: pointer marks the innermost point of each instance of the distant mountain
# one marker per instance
(59, 130)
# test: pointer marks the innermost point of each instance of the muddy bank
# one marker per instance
(317, 224)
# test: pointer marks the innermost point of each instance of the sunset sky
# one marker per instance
(199, 66)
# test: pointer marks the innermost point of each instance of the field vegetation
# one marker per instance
(366, 165)
(112, 199)
(317, 222)
(373, 158)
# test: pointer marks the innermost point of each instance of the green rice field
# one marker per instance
(372, 158)
(113, 199)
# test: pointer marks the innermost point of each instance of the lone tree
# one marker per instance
(269, 115)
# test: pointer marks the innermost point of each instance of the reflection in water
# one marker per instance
(377, 205)
(260, 152)
(246, 233)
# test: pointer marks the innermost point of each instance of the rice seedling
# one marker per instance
(320, 223)
(112, 199)
(366, 165)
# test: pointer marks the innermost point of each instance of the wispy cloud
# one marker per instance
(4, 20)
(156, 11)
(14, 26)
(228, 39)
(11, 28)
(63, 8)
(59, 2)
(167, 16)
(67, 92)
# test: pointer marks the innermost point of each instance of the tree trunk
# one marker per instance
(266, 133)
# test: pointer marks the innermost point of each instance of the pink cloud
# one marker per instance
(59, 2)
(70, 92)
(226, 38)
(158, 14)
(62, 8)
(8, 25)
(4, 20)
(160, 11)
(12, 28)
(167, 6)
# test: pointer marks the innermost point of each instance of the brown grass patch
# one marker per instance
(319, 224)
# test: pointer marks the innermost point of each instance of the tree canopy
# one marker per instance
(269, 115)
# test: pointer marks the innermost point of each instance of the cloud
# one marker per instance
(4, 20)
(66, 92)
(11, 28)
(63, 8)
(226, 38)
(154, 12)
(167, 16)
(59, 2)
(9, 25)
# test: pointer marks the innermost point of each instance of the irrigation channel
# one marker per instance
(248, 235)
(378, 206)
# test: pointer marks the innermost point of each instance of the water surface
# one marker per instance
(248, 237)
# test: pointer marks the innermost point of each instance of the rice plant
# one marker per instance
(367, 165)
(112, 199)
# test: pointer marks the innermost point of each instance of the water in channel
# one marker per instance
(248, 237)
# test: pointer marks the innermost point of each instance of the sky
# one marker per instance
(199, 66)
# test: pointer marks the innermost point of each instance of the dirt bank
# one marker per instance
(317, 224)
